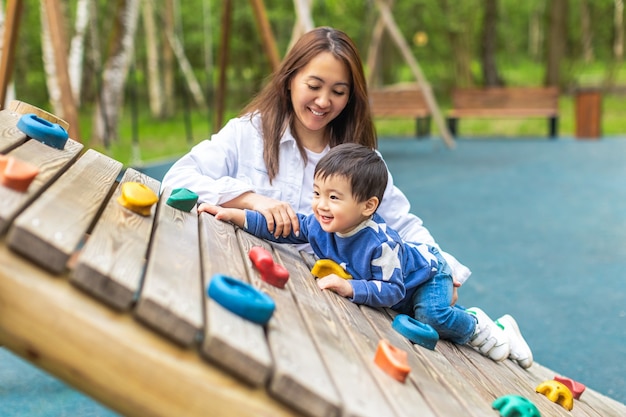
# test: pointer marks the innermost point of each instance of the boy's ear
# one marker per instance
(371, 204)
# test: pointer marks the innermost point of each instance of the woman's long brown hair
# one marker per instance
(353, 124)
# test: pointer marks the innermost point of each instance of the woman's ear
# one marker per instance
(370, 206)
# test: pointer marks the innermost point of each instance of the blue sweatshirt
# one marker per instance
(385, 269)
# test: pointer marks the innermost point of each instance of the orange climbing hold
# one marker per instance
(16, 174)
(392, 360)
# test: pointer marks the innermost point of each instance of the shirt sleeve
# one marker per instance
(209, 169)
(257, 225)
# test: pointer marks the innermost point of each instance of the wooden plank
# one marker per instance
(171, 297)
(589, 400)
(51, 228)
(505, 98)
(440, 383)
(10, 135)
(109, 356)
(496, 377)
(51, 163)
(360, 394)
(111, 264)
(299, 378)
(404, 398)
(236, 344)
(529, 379)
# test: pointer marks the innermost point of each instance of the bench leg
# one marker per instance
(452, 125)
(554, 127)
(422, 127)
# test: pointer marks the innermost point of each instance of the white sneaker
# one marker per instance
(488, 338)
(520, 352)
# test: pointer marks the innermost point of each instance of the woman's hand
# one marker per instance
(336, 284)
(280, 217)
(455, 292)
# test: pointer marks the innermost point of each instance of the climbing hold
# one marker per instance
(271, 272)
(515, 406)
(557, 393)
(392, 360)
(137, 197)
(182, 199)
(16, 174)
(575, 387)
(51, 134)
(241, 299)
(416, 331)
(325, 267)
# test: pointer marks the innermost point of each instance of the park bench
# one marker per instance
(402, 101)
(505, 102)
(114, 303)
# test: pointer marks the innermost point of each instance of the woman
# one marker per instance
(264, 159)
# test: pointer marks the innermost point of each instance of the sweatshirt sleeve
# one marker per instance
(385, 286)
(257, 225)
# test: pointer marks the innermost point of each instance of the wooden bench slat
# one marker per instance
(111, 264)
(236, 344)
(398, 102)
(51, 163)
(51, 228)
(505, 102)
(10, 135)
(304, 384)
(171, 295)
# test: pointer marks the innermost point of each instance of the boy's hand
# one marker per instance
(336, 284)
(279, 215)
(236, 216)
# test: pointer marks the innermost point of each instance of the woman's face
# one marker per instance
(319, 92)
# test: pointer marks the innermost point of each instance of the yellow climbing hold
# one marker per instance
(325, 267)
(137, 197)
(557, 393)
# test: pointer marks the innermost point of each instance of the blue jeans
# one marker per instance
(431, 305)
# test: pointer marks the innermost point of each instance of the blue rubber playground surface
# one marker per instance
(542, 225)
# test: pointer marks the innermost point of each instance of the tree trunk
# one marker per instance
(556, 42)
(461, 48)
(491, 77)
(536, 32)
(618, 44)
(155, 91)
(115, 72)
(77, 49)
(169, 69)
(586, 33)
(47, 56)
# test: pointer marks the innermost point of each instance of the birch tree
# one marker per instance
(115, 72)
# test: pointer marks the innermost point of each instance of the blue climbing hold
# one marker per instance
(48, 133)
(417, 332)
(241, 298)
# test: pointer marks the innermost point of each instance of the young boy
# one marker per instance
(411, 278)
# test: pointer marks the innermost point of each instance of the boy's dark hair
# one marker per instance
(362, 166)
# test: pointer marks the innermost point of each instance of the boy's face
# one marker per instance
(334, 206)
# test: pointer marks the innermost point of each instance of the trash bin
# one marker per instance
(588, 113)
